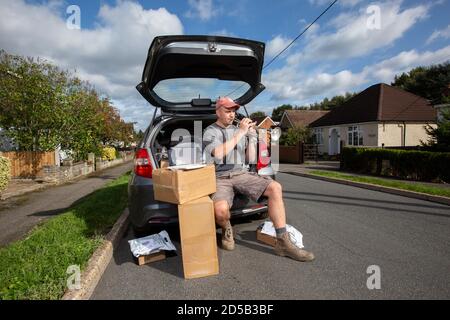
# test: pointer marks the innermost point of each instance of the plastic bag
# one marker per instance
(296, 236)
(151, 244)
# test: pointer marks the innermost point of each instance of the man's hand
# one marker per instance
(246, 124)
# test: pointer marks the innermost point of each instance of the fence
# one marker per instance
(27, 164)
(291, 154)
(310, 152)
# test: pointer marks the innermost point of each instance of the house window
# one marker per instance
(355, 136)
(318, 136)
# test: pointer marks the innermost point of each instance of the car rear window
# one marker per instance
(185, 89)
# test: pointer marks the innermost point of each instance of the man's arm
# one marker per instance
(250, 154)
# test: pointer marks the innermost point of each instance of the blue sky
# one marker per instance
(338, 54)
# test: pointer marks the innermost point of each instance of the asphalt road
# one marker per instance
(348, 229)
(20, 214)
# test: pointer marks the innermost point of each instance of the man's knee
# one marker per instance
(221, 209)
(274, 189)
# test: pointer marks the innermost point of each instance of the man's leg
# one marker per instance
(277, 213)
(222, 213)
(223, 199)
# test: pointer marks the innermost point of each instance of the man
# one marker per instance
(230, 147)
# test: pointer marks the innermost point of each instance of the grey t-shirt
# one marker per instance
(213, 136)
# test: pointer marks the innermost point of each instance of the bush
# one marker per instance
(415, 165)
(5, 172)
(108, 153)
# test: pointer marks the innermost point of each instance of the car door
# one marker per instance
(227, 66)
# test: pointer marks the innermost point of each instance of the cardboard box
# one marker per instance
(181, 186)
(157, 256)
(198, 238)
(164, 164)
(265, 238)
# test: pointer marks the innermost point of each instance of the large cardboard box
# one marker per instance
(198, 238)
(181, 186)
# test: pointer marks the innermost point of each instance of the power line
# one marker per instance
(296, 38)
(287, 47)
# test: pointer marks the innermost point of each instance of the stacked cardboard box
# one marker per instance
(181, 186)
(190, 189)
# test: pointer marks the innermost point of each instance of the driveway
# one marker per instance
(352, 232)
(20, 214)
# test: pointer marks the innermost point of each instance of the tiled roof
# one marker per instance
(380, 102)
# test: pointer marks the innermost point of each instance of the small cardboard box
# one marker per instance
(198, 238)
(265, 238)
(181, 186)
(157, 256)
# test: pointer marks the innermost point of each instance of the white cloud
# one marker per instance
(444, 33)
(298, 87)
(111, 56)
(203, 9)
(352, 37)
(275, 45)
(223, 32)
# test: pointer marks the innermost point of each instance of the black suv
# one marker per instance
(183, 75)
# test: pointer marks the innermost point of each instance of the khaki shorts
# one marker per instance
(248, 183)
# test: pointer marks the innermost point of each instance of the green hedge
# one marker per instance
(5, 172)
(405, 164)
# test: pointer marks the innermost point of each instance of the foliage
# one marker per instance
(277, 113)
(36, 267)
(328, 104)
(431, 82)
(5, 172)
(405, 164)
(108, 153)
(43, 107)
(440, 136)
(258, 114)
(296, 134)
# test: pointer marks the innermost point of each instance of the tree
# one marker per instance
(440, 137)
(43, 107)
(431, 82)
(328, 104)
(296, 134)
(277, 113)
(258, 114)
(32, 102)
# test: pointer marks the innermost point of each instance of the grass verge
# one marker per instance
(35, 267)
(417, 187)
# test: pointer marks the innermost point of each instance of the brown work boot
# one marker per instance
(227, 237)
(285, 247)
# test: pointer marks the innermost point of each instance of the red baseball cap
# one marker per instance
(226, 102)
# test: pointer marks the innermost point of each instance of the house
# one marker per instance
(264, 122)
(380, 116)
(300, 118)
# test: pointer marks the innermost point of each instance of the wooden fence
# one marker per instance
(291, 154)
(26, 164)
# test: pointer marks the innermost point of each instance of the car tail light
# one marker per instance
(142, 164)
(263, 158)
